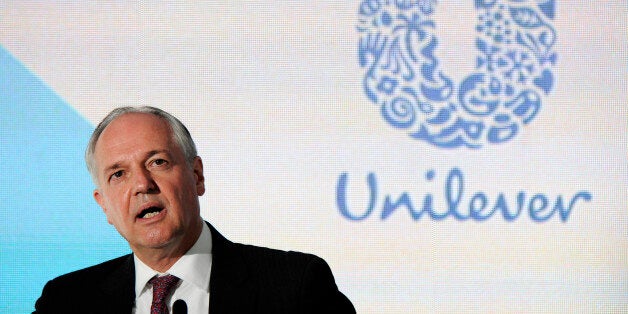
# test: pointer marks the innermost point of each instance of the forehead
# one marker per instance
(133, 133)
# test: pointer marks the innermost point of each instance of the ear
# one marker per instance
(197, 167)
(101, 201)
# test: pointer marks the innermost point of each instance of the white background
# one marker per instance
(272, 93)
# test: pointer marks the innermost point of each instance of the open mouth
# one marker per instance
(150, 212)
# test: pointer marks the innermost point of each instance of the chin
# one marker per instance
(158, 240)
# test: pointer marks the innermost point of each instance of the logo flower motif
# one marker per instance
(403, 76)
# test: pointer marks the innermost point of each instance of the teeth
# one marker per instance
(151, 214)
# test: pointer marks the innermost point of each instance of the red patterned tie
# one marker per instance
(161, 289)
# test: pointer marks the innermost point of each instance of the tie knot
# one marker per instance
(161, 289)
(164, 282)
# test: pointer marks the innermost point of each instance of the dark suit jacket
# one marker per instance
(244, 279)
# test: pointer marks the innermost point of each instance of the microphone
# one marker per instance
(179, 307)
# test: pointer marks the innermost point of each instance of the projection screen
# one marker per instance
(441, 156)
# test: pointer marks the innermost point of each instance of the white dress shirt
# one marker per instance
(193, 269)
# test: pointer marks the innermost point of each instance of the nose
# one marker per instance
(144, 183)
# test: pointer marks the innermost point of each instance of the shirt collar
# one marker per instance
(193, 267)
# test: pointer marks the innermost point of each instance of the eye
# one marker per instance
(159, 162)
(116, 175)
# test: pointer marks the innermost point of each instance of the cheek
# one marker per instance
(110, 219)
(115, 205)
(112, 209)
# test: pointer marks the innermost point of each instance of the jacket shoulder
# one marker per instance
(93, 274)
(273, 258)
(76, 290)
(301, 279)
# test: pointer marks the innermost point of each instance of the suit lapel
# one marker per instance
(230, 288)
(119, 288)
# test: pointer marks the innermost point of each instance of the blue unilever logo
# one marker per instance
(515, 53)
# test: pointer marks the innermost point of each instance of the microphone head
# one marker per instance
(179, 307)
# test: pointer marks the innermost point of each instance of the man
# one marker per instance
(149, 178)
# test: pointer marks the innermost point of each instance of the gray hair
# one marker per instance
(179, 132)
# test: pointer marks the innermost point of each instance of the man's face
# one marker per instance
(145, 186)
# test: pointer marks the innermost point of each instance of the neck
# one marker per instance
(162, 258)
